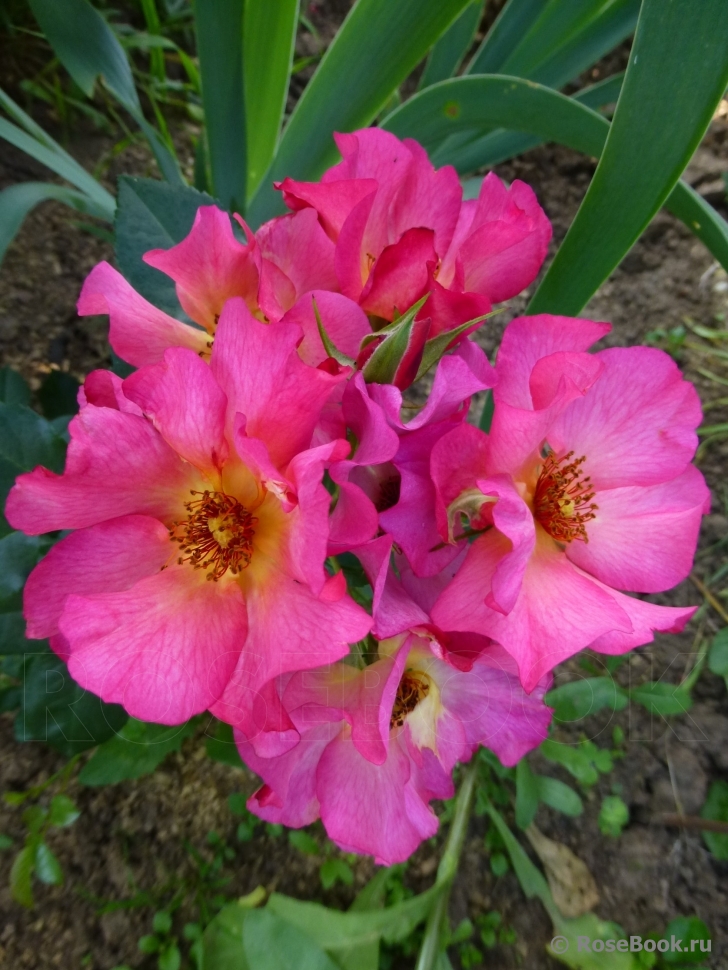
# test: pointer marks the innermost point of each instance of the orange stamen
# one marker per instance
(563, 499)
(412, 689)
(217, 535)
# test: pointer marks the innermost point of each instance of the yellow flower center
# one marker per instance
(217, 535)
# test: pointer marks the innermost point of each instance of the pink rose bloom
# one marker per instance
(401, 230)
(201, 528)
(378, 744)
(584, 487)
(289, 259)
(386, 483)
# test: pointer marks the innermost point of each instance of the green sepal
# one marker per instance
(394, 356)
(436, 347)
(329, 346)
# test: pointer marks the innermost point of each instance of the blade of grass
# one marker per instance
(16, 201)
(269, 43)
(156, 54)
(88, 48)
(448, 53)
(657, 126)
(701, 218)
(436, 927)
(220, 48)
(557, 65)
(584, 48)
(497, 146)
(62, 164)
(25, 121)
(560, 24)
(511, 24)
(494, 101)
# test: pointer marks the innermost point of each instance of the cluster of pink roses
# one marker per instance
(212, 490)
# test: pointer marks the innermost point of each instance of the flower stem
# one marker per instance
(446, 871)
(692, 678)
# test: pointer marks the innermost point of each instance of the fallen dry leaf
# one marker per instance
(572, 885)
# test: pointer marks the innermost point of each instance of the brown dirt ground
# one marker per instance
(131, 837)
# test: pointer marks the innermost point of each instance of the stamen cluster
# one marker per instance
(217, 535)
(412, 689)
(563, 500)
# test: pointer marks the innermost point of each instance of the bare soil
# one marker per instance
(131, 849)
